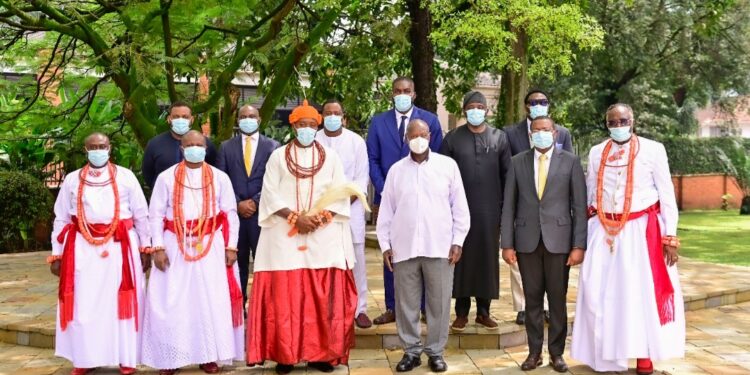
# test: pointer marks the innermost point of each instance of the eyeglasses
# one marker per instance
(620, 122)
(97, 147)
(534, 102)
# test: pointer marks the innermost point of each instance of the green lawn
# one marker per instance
(715, 236)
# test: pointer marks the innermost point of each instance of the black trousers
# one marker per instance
(247, 242)
(463, 305)
(542, 271)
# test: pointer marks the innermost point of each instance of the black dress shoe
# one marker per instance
(437, 364)
(408, 363)
(558, 363)
(521, 318)
(546, 316)
(321, 366)
(284, 369)
(533, 361)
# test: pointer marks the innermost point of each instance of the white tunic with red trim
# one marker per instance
(188, 317)
(616, 311)
(96, 337)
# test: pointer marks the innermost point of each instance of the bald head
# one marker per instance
(193, 138)
(248, 111)
(96, 141)
(417, 125)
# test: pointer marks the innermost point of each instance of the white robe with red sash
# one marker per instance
(96, 337)
(617, 317)
(188, 317)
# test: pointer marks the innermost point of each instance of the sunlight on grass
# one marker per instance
(715, 236)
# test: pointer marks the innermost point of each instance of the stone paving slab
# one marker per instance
(718, 343)
(28, 298)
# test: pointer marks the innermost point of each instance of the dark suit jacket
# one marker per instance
(518, 135)
(560, 217)
(231, 160)
(384, 148)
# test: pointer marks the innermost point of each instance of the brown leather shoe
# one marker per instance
(459, 325)
(486, 322)
(363, 321)
(533, 361)
(387, 317)
(558, 363)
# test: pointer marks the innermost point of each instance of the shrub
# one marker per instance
(24, 202)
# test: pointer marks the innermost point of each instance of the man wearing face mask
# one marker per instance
(352, 150)
(519, 136)
(163, 151)
(386, 144)
(544, 230)
(629, 299)
(420, 249)
(102, 275)
(194, 309)
(243, 158)
(483, 156)
(304, 297)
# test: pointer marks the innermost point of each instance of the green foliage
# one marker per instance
(24, 202)
(666, 59)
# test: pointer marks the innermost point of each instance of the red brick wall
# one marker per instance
(703, 192)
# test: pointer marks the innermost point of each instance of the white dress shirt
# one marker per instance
(424, 209)
(652, 181)
(253, 139)
(408, 118)
(537, 154)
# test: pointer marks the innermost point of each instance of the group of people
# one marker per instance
(445, 207)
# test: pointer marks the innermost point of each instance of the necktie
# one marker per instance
(248, 152)
(402, 129)
(542, 175)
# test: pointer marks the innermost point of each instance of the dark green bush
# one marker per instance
(706, 155)
(24, 202)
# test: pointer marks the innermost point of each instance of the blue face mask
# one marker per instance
(306, 136)
(195, 154)
(180, 126)
(332, 123)
(620, 133)
(249, 125)
(402, 102)
(475, 116)
(542, 139)
(98, 158)
(538, 110)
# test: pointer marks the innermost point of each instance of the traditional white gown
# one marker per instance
(96, 337)
(616, 312)
(352, 151)
(188, 317)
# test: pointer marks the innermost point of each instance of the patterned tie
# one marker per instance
(402, 128)
(542, 175)
(248, 152)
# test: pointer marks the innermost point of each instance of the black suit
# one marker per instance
(543, 232)
(231, 160)
(518, 136)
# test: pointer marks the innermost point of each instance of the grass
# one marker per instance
(715, 236)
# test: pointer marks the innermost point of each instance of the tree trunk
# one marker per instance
(514, 83)
(422, 55)
(745, 207)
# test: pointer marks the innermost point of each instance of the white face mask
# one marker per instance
(419, 145)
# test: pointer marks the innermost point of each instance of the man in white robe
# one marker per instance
(352, 151)
(96, 239)
(194, 303)
(629, 299)
(303, 296)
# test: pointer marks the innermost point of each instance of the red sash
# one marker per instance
(663, 288)
(235, 293)
(127, 299)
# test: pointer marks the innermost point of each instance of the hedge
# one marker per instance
(705, 155)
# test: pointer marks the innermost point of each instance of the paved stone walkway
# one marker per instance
(718, 344)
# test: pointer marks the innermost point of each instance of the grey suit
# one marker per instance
(543, 232)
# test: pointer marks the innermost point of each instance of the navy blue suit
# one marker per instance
(231, 160)
(385, 148)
